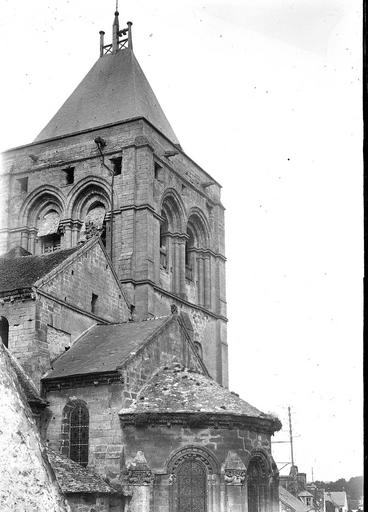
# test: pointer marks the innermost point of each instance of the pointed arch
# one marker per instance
(40, 200)
(197, 259)
(261, 491)
(174, 210)
(199, 226)
(85, 194)
(75, 431)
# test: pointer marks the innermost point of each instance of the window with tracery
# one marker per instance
(79, 434)
(191, 487)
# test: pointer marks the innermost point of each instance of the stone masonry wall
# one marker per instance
(86, 275)
(105, 401)
(27, 481)
(160, 443)
(168, 346)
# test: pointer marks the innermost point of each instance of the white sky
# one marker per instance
(266, 96)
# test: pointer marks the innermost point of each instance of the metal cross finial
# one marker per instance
(117, 5)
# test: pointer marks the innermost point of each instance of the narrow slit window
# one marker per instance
(158, 171)
(94, 303)
(69, 175)
(23, 184)
(116, 165)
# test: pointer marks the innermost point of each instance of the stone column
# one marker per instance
(139, 480)
(207, 283)
(235, 481)
(181, 247)
(32, 242)
(200, 280)
(24, 239)
(67, 236)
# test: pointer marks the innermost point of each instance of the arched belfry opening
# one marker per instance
(197, 260)
(4, 331)
(172, 245)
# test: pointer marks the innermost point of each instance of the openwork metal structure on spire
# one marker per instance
(121, 39)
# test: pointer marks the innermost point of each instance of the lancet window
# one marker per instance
(79, 433)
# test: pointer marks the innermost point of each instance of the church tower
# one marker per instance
(109, 162)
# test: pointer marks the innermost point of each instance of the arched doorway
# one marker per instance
(257, 486)
(4, 331)
(191, 487)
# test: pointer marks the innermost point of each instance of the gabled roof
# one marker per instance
(22, 272)
(291, 502)
(104, 348)
(177, 389)
(73, 478)
(115, 89)
(337, 497)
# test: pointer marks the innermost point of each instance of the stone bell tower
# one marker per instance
(110, 162)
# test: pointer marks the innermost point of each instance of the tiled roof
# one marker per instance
(23, 272)
(104, 348)
(291, 502)
(115, 89)
(178, 389)
(73, 478)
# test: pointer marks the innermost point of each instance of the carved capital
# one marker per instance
(235, 476)
(139, 477)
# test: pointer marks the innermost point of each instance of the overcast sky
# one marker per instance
(266, 96)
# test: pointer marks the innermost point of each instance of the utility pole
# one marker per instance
(291, 437)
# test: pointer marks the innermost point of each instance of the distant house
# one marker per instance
(336, 501)
(307, 498)
(290, 503)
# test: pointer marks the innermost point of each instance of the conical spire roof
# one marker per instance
(114, 90)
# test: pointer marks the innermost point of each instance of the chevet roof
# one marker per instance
(114, 90)
(178, 389)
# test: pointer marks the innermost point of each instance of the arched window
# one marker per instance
(191, 487)
(257, 486)
(94, 223)
(48, 232)
(75, 432)
(163, 241)
(4, 330)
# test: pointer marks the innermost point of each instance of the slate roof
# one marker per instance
(290, 501)
(178, 389)
(104, 348)
(73, 478)
(23, 272)
(115, 89)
